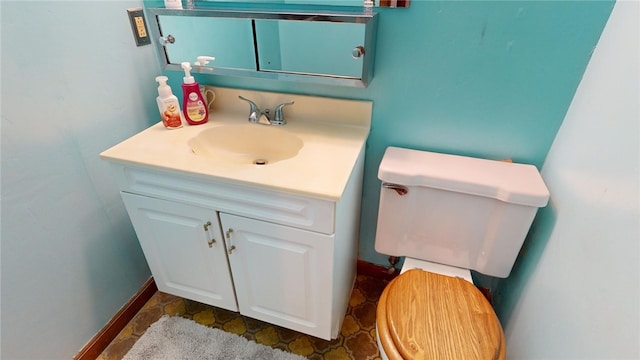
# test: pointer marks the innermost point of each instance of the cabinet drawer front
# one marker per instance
(264, 204)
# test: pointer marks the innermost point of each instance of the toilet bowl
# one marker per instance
(428, 315)
(451, 214)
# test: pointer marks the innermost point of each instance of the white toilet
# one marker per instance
(449, 215)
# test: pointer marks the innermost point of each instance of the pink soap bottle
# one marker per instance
(194, 106)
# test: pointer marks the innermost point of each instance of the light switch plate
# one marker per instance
(139, 26)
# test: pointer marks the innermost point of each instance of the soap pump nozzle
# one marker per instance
(203, 60)
(188, 79)
(163, 89)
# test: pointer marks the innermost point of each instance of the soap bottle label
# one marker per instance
(195, 108)
(171, 117)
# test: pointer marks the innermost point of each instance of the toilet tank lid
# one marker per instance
(509, 182)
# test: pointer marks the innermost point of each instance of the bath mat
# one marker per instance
(175, 338)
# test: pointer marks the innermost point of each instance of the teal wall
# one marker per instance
(480, 78)
(73, 84)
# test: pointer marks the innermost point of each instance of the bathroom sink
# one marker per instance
(246, 144)
(314, 154)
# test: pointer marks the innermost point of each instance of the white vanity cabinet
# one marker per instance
(290, 254)
(283, 258)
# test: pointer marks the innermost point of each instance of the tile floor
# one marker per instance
(357, 339)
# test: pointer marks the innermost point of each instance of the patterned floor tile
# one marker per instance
(355, 341)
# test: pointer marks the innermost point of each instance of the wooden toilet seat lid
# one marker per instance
(432, 316)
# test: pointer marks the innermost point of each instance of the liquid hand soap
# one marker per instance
(168, 105)
(193, 104)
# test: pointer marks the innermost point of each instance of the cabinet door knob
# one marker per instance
(232, 247)
(211, 241)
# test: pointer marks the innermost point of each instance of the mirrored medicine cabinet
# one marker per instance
(328, 47)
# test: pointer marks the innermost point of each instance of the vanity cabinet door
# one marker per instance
(178, 243)
(282, 275)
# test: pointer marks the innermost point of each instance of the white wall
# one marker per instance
(582, 299)
(73, 84)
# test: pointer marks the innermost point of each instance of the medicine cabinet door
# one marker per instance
(301, 47)
(229, 40)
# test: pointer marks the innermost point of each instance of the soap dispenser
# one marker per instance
(168, 105)
(193, 104)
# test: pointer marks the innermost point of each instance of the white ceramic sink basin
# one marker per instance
(246, 144)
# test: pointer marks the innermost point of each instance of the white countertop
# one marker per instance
(320, 169)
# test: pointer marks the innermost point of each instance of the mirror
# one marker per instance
(352, 3)
(330, 47)
(188, 33)
(301, 47)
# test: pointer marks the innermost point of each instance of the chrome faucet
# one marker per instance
(261, 117)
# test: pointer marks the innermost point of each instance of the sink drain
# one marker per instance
(260, 162)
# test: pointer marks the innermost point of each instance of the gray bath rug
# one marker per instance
(176, 338)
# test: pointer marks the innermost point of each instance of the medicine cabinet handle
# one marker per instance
(169, 39)
(232, 247)
(357, 52)
(211, 240)
(400, 189)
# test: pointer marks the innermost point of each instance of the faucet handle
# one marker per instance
(254, 111)
(278, 117)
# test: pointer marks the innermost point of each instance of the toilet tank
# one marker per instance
(456, 210)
